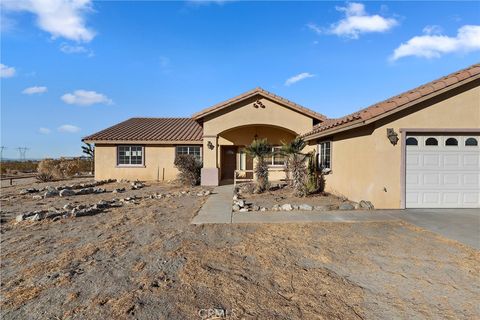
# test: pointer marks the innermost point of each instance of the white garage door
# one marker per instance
(442, 171)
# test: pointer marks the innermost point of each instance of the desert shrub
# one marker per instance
(190, 169)
(59, 168)
(69, 168)
(259, 149)
(247, 188)
(312, 184)
(50, 167)
(19, 166)
(44, 177)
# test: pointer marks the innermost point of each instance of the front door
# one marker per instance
(228, 161)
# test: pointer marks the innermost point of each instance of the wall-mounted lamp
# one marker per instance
(392, 136)
(255, 137)
(210, 145)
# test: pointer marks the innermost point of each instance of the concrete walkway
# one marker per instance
(217, 208)
(459, 224)
(313, 216)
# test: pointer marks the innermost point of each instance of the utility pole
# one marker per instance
(22, 151)
(1, 152)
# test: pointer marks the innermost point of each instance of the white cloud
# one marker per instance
(34, 90)
(434, 46)
(85, 98)
(68, 128)
(44, 130)
(432, 29)
(60, 18)
(315, 28)
(298, 77)
(6, 71)
(356, 22)
(69, 49)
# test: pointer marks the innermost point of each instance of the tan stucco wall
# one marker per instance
(158, 164)
(238, 125)
(244, 114)
(366, 166)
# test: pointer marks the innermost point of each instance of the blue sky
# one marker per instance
(76, 67)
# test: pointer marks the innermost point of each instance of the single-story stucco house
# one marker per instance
(419, 149)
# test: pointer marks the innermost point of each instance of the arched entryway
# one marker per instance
(233, 157)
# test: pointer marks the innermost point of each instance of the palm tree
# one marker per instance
(89, 150)
(259, 149)
(295, 164)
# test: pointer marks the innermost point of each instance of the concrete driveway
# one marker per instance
(462, 225)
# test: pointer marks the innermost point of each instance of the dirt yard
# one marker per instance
(145, 261)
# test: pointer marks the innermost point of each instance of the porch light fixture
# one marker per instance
(210, 145)
(392, 136)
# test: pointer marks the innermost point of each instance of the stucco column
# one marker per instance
(210, 170)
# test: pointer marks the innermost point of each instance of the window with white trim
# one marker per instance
(195, 151)
(130, 155)
(325, 155)
(278, 159)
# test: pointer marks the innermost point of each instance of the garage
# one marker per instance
(442, 171)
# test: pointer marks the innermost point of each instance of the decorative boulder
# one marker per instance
(305, 207)
(346, 206)
(287, 207)
(50, 193)
(67, 193)
(367, 205)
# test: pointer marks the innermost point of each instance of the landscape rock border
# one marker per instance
(69, 210)
(240, 205)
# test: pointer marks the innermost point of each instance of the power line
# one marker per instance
(23, 152)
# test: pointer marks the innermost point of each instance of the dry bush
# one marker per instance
(58, 168)
(189, 168)
(18, 166)
(247, 188)
(44, 177)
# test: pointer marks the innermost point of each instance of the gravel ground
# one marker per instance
(147, 261)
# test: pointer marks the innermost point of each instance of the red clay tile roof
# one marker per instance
(265, 94)
(397, 102)
(151, 129)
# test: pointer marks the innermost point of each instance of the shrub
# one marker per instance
(259, 149)
(247, 188)
(59, 168)
(312, 176)
(44, 177)
(190, 169)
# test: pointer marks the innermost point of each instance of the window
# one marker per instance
(451, 142)
(412, 142)
(242, 160)
(324, 155)
(276, 159)
(471, 142)
(431, 142)
(195, 151)
(130, 155)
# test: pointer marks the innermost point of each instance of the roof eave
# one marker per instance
(361, 123)
(263, 93)
(149, 142)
